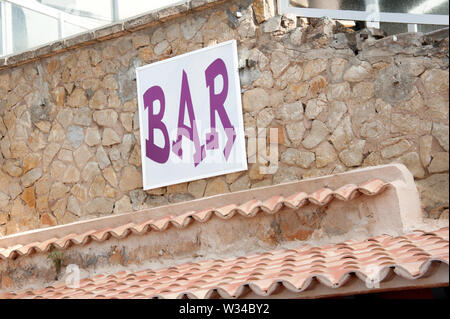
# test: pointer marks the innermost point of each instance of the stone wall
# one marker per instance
(69, 129)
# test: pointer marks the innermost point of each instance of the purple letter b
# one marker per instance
(153, 151)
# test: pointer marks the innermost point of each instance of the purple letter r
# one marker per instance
(217, 105)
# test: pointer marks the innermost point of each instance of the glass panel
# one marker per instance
(397, 6)
(97, 9)
(70, 29)
(19, 29)
(28, 26)
(130, 8)
(396, 28)
(31, 28)
(1, 31)
(102, 10)
(428, 28)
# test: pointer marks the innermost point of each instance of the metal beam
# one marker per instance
(372, 20)
(114, 10)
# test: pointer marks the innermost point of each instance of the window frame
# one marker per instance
(284, 7)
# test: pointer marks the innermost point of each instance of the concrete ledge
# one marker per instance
(51, 49)
(172, 12)
(109, 32)
(140, 22)
(437, 35)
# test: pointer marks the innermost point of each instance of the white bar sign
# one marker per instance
(190, 117)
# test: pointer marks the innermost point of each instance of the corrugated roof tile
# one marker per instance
(248, 209)
(293, 269)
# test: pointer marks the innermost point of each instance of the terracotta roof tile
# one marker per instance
(409, 256)
(248, 209)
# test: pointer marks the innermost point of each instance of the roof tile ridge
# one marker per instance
(298, 282)
(248, 209)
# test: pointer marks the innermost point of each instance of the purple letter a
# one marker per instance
(183, 130)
